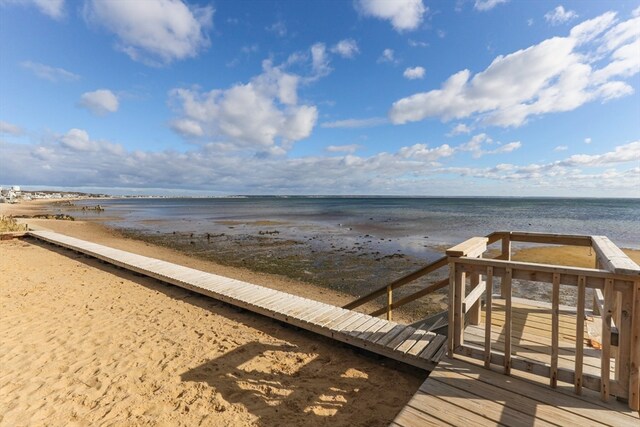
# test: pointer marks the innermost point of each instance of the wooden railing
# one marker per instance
(616, 283)
(439, 264)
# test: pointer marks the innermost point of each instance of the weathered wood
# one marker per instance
(634, 381)
(580, 334)
(472, 300)
(623, 363)
(389, 302)
(508, 324)
(549, 238)
(583, 410)
(605, 360)
(452, 294)
(598, 300)
(431, 288)
(613, 258)
(474, 245)
(324, 319)
(555, 329)
(505, 256)
(437, 264)
(544, 272)
(458, 335)
(488, 311)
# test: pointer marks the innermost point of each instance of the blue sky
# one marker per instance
(388, 97)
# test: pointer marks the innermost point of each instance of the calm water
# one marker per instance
(407, 223)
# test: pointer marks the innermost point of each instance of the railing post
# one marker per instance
(475, 314)
(389, 302)
(623, 362)
(634, 375)
(452, 296)
(506, 255)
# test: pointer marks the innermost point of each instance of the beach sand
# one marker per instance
(83, 343)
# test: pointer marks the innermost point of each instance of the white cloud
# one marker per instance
(417, 43)
(52, 8)
(424, 153)
(319, 61)
(477, 150)
(560, 16)
(10, 128)
(355, 123)
(154, 32)
(458, 129)
(414, 73)
(187, 127)
(530, 22)
(75, 159)
(404, 14)
(388, 55)
(561, 148)
(587, 140)
(48, 72)
(260, 116)
(100, 102)
(351, 148)
(484, 5)
(78, 140)
(346, 48)
(621, 154)
(279, 28)
(559, 74)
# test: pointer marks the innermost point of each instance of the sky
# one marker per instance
(362, 97)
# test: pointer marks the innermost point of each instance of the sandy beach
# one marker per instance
(83, 343)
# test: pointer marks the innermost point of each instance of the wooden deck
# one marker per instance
(461, 391)
(418, 347)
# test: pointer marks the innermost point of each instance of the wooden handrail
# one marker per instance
(621, 285)
(409, 298)
(437, 264)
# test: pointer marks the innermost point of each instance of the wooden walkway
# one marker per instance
(418, 347)
(461, 391)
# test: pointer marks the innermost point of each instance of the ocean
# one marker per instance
(410, 223)
(355, 244)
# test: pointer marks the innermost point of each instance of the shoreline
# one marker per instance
(333, 275)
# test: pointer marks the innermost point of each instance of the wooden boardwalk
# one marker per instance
(461, 391)
(417, 347)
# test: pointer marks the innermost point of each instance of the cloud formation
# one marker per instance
(100, 102)
(52, 8)
(155, 32)
(388, 55)
(559, 74)
(346, 48)
(355, 123)
(559, 15)
(10, 128)
(484, 5)
(74, 159)
(47, 72)
(404, 15)
(260, 116)
(414, 73)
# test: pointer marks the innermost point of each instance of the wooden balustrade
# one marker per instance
(617, 296)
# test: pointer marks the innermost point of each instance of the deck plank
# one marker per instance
(334, 322)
